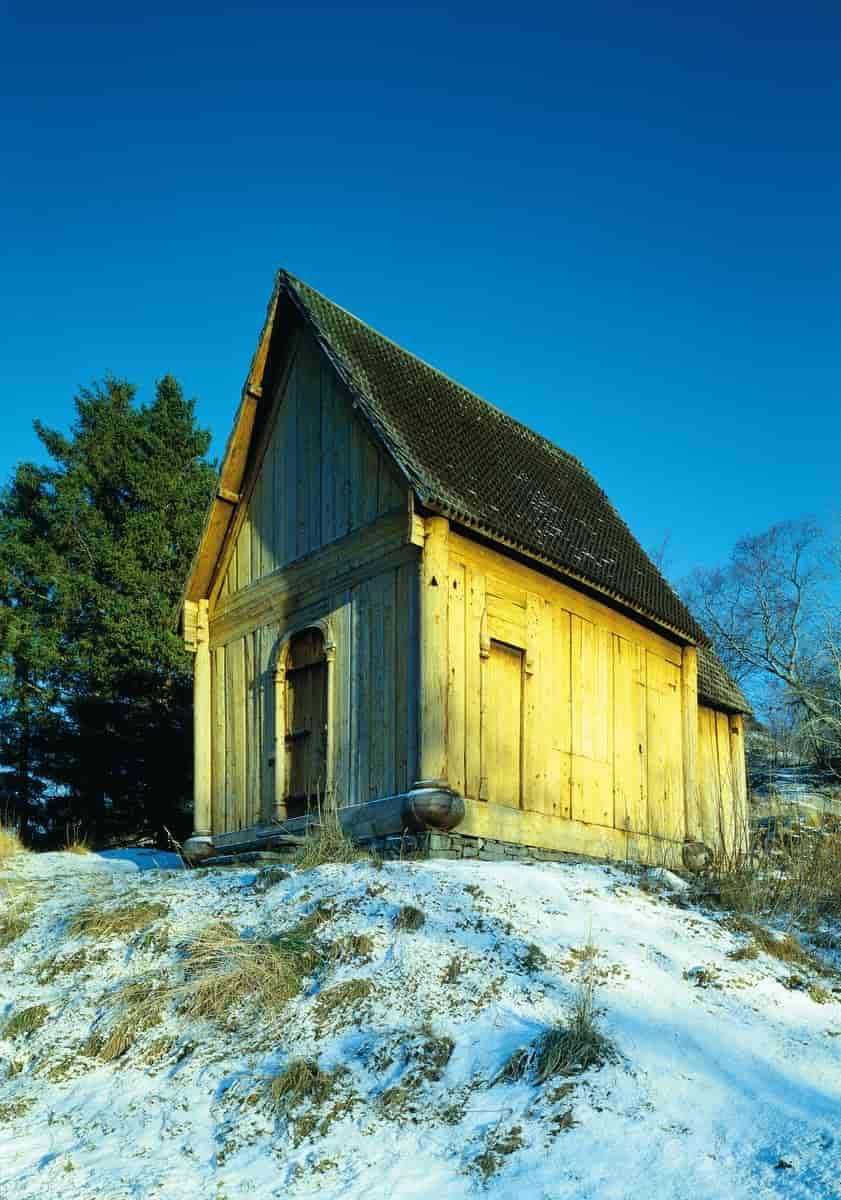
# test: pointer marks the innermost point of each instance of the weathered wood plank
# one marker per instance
(403, 576)
(664, 732)
(740, 791)
(218, 769)
(390, 671)
(629, 723)
(456, 683)
(475, 609)
(253, 733)
(535, 750)
(235, 729)
(378, 693)
(728, 791)
(562, 712)
(329, 466)
(362, 671)
(518, 575)
(689, 705)
(505, 724)
(434, 637)
(490, 820)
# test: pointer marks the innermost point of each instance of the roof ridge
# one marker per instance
(473, 460)
(526, 429)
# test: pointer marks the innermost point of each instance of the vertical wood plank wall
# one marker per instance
(322, 482)
(373, 710)
(321, 477)
(601, 719)
(722, 782)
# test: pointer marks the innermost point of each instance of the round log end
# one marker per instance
(198, 847)
(432, 805)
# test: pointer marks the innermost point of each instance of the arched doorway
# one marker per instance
(305, 721)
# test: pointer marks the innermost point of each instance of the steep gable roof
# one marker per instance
(479, 466)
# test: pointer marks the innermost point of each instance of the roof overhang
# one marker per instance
(226, 497)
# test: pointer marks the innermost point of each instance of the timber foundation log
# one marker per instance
(429, 806)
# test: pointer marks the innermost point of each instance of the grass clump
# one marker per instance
(26, 1021)
(499, 1145)
(302, 1081)
(303, 1085)
(13, 1109)
(51, 968)
(819, 994)
(354, 947)
(13, 923)
(10, 843)
(225, 971)
(786, 949)
(798, 875)
(326, 842)
(452, 971)
(534, 959)
(77, 842)
(94, 921)
(743, 953)
(409, 918)
(343, 995)
(567, 1049)
(268, 877)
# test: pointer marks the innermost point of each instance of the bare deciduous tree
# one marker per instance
(771, 613)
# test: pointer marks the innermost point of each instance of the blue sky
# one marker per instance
(618, 222)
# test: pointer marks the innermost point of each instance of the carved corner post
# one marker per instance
(434, 666)
(280, 812)
(202, 731)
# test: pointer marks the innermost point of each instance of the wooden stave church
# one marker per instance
(410, 607)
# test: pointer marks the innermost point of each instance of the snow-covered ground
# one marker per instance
(727, 1082)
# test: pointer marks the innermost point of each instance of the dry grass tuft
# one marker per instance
(268, 877)
(343, 995)
(327, 842)
(14, 922)
(77, 842)
(26, 1021)
(10, 843)
(786, 949)
(224, 971)
(749, 951)
(354, 947)
(499, 1145)
(571, 1048)
(409, 919)
(819, 994)
(13, 1109)
(800, 876)
(51, 968)
(303, 1080)
(452, 971)
(94, 921)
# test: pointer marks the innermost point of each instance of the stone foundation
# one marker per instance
(460, 846)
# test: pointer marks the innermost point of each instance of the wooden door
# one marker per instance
(505, 724)
(306, 722)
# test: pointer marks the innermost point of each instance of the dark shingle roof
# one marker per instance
(467, 459)
(715, 687)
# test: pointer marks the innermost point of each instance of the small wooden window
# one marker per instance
(306, 721)
(505, 724)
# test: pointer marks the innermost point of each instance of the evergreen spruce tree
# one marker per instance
(95, 689)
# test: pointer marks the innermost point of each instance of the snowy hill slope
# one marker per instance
(726, 1080)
